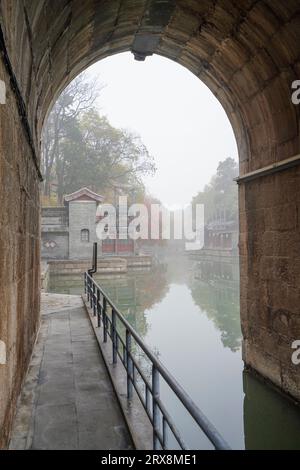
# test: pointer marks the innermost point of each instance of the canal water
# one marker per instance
(187, 311)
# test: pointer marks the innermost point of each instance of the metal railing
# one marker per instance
(108, 316)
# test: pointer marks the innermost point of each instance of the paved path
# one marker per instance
(68, 401)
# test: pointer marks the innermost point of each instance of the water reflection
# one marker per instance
(215, 289)
(137, 292)
(188, 312)
(271, 421)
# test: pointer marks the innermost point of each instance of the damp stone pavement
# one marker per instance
(68, 402)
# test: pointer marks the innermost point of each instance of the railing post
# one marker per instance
(148, 400)
(155, 396)
(91, 292)
(94, 300)
(88, 289)
(165, 434)
(98, 308)
(104, 320)
(114, 336)
(129, 366)
(85, 283)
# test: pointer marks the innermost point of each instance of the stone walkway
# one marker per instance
(67, 400)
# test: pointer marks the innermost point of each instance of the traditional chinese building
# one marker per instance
(220, 241)
(68, 232)
(221, 236)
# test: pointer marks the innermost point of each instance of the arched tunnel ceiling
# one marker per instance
(246, 51)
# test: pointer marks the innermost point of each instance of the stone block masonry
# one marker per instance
(270, 273)
(19, 255)
(247, 53)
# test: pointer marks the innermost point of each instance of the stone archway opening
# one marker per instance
(248, 55)
(125, 107)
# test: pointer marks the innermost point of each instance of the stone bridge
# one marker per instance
(248, 54)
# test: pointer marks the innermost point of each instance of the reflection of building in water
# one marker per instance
(218, 270)
(215, 289)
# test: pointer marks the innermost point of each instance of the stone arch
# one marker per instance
(248, 53)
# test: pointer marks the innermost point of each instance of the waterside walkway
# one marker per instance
(68, 401)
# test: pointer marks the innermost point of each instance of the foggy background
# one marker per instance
(180, 121)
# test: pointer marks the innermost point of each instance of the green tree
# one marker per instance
(103, 157)
(220, 196)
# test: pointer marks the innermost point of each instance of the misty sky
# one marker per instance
(180, 121)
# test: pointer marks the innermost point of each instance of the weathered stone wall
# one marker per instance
(247, 52)
(19, 256)
(270, 274)
(55, 245)
(55, 233)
